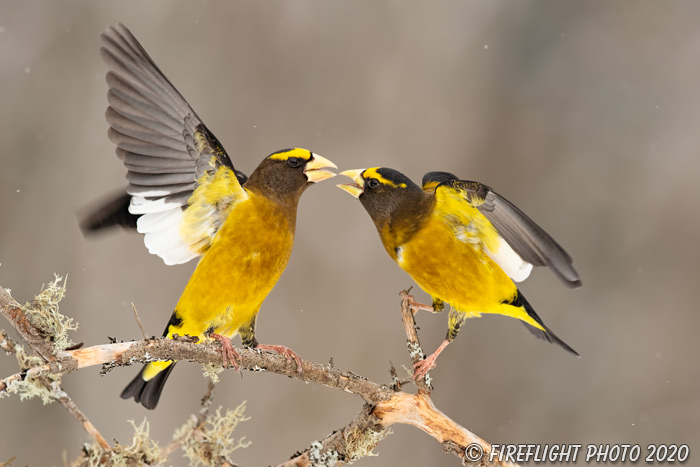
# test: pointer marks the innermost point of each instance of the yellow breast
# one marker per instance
(243, 264)
(450, 263)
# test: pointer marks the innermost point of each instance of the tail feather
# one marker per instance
(147, 393)
(547, 334)
(114, 211)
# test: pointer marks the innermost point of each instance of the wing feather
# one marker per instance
(527, 239)
(181, 181)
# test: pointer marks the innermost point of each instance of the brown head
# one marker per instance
(284, 175)
(397, 206)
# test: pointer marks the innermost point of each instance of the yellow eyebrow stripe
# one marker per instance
(373, 173)
(296, 152)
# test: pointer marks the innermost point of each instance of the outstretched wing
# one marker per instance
(517, 233)
(113, 211)
(182, 183)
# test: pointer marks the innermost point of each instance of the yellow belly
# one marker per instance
(456, 271)
(243, 264)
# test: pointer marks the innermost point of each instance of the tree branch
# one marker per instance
(43, 349)
(411, 409)
(355, 440)
(415, 351)
(384, 405)
(64, 399)
(30, 334)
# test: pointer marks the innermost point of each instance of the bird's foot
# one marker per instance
(230, 355)
(286, 352)
(416, 306)
(421, 368)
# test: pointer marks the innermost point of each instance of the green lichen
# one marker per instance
(43, 313)
(211, 442)
(141, 451)
(212, 371)
(319, 458)
(414, 350)
(142, 448)
(361, 443)
(30, 387)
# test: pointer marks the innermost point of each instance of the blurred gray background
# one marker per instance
(584, 114)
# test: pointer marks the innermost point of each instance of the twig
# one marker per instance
(10, 346)
(31, 373)
(138, 321)
(73, 409)
(414, 349)
(7, 343)
(207, 399)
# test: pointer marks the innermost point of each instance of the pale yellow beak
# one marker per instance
(355, 189)
(315, 169)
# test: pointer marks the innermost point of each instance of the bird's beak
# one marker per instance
(355, 189)
(430, 187)
(315, 169)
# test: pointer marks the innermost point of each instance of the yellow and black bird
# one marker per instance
(463, 244)
(186, 197)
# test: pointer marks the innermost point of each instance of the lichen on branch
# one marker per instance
(43, 313)
(142, 451)
(29, 385)
(210, 442)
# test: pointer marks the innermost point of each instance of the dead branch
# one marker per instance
(384, 405)
(411, 409)
(14, 314)
(138, 321)
(73, 409)
(355, 440)
(415, 352)
(418, 410)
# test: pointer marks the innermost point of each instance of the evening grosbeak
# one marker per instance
(187, 199)
(463, 244)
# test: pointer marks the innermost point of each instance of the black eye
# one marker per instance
(294, 162)
(372, 183)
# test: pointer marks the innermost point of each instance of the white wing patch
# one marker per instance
(161, 223)
(178, 235)
(140, 205)
(473, 228)
(511, 263)
(162, 236)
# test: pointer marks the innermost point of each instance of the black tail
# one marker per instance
(147, 393)
(111, 212)
(547, 334)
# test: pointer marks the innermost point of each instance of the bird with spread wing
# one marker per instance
(189, 201)
(463, 244)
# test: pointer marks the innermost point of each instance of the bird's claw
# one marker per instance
(415, 306)
(286, 352)
(421, 368)
(230, 355)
